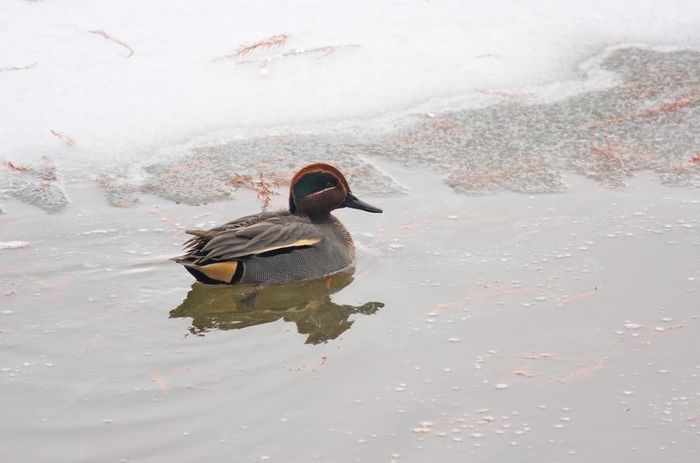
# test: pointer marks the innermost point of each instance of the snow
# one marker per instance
(86, 87)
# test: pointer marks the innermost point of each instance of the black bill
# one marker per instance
(354, 203)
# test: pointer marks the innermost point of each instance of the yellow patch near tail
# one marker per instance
(220, 271)
(296, 244)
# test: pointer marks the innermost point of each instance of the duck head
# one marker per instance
(317, 189)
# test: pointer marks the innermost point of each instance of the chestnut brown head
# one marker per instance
(317, 189)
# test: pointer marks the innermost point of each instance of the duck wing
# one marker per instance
(248, 236)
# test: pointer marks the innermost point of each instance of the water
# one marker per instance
(519, 326)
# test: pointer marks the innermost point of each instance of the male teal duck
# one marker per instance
(304, 243)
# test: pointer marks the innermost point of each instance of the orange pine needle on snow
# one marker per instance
(115, 40)
(275, 41)
(15, 167)
(265, 189)
(68, 140)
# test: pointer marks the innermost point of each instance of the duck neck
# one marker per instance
(317, 216)
(318, 206)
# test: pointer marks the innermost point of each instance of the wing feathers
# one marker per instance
(250, 236)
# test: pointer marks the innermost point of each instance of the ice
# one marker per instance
(13, 244)
(36, 183)
(644, 121)
(495, 96)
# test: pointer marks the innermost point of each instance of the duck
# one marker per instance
(305, 242)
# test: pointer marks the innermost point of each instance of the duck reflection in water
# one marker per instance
(307, 303)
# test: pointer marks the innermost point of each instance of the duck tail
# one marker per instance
(216, 273)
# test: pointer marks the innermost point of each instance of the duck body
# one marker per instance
(302, 250)
(306, 242)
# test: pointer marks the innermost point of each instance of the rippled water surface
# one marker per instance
(508, 327)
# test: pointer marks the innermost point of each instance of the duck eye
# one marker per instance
(329, 184)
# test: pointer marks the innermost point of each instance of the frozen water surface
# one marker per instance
(631, 109)
(510, 326)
